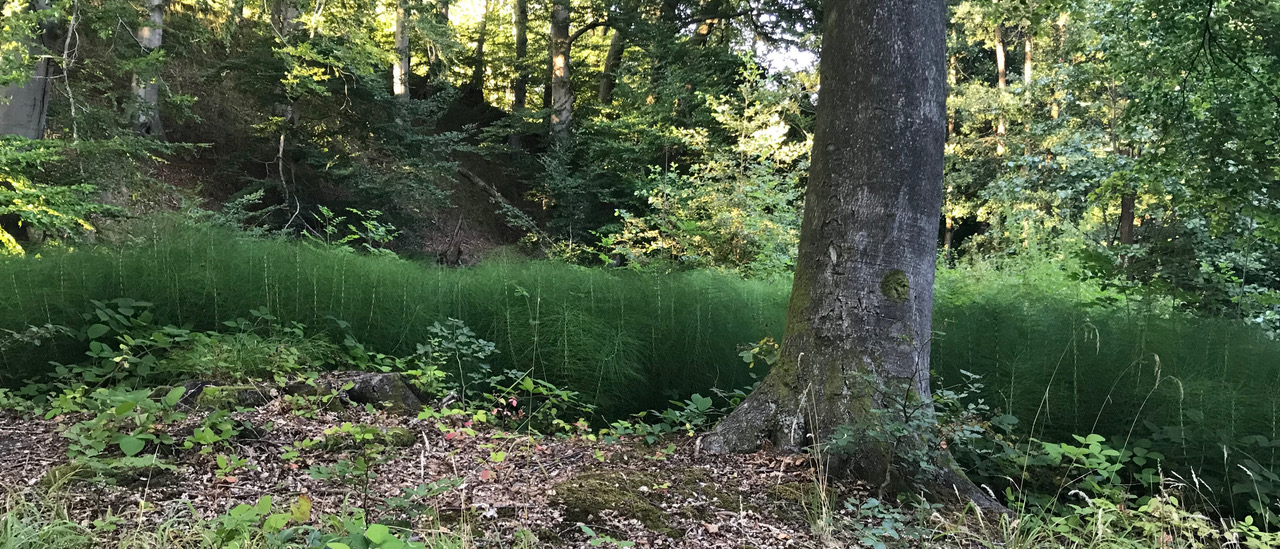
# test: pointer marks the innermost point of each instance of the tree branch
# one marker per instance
(702, 18)
(587, 28)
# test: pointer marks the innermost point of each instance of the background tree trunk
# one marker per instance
(147, 87)
(561, 83)
(612, 61)
(400, 70)
(1126, 217)
(859, 321)
(477, 69)
(1000, 85)
(520, 88)
(1026, 61)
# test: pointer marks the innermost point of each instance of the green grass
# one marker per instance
(1067, 358)
(625, 340)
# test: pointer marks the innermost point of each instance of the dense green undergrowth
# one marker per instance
(1068, 359)
(627, 341)
(1056, 358)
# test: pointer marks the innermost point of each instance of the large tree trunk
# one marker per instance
(23, 106)
(477, 69)
(612, 61)
(147, 87)
(859, 320)
(1000, 85)
(520, 88)
(561, 83)
(400, 69)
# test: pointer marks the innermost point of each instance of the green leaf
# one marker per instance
(378, 533)
(131, 445)
(98, 330)
(175, 394)
(124, 408)
(276, 522)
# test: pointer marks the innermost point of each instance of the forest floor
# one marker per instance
(479, 483)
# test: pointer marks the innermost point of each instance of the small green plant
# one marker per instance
(217, 427)
(880, 526)
(365, 231)
(600, 540)
(124, 420)
(229, 464)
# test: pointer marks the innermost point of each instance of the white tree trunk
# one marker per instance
(400, 70)
(147, 87)
(561, 84)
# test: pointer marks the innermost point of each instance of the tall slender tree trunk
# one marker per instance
(1062, 45)
(147, 87)
(948, 236)
(561, 83)
(952, 82)
(1126, 218)
(612, 61)
(477, 69)
(1026, 84)
(400, 69)
(520, 88)
(859, 320)
(23, 107)
(1001, 83)
(1026, 63)
(284, 16)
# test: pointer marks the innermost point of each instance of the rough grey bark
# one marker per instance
(561, 83)
(23, 107)
(612, 61)
(400, 69)
(859, 318)
(520, 88)
(147, 87)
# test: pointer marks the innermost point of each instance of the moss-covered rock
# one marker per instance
(640, 494)
(229, 397)
(146, 472)
(362, 435)
(628, 493)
